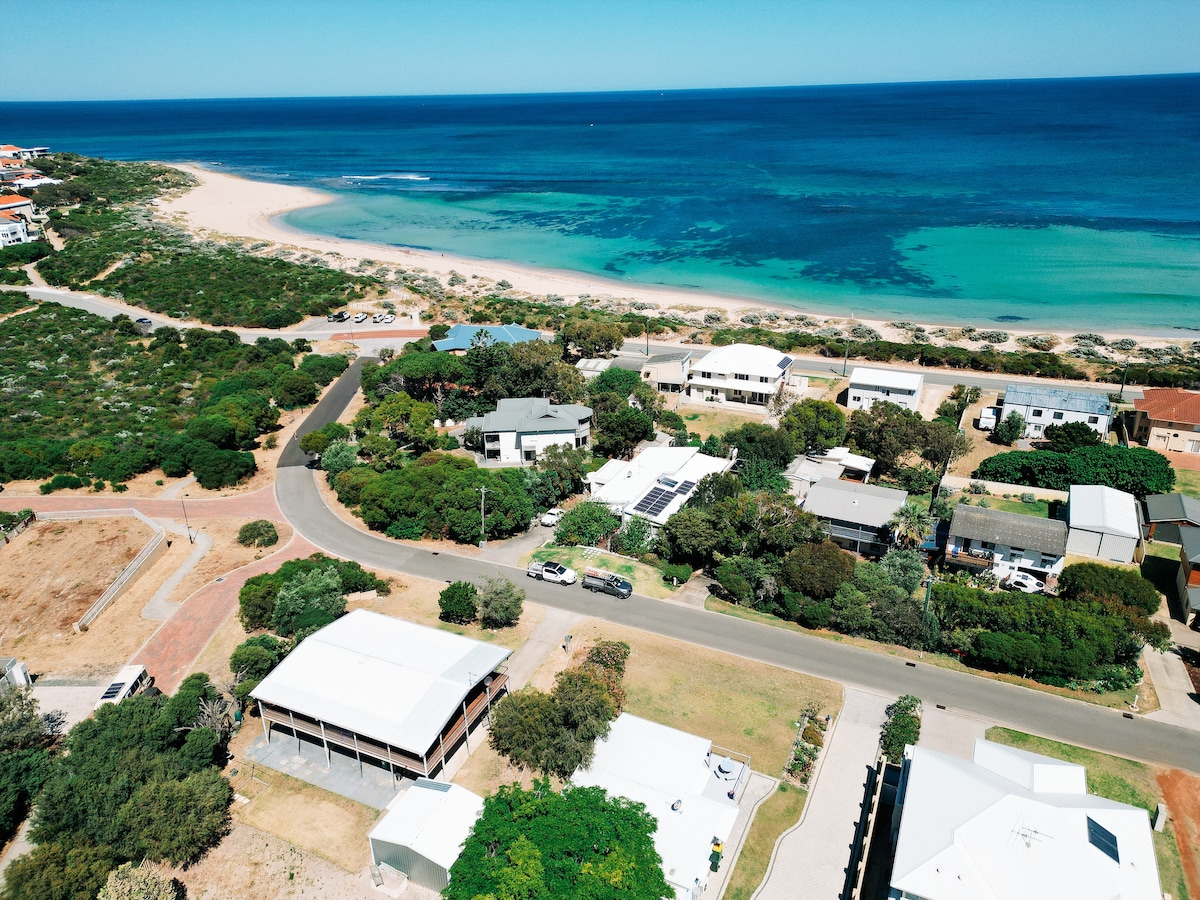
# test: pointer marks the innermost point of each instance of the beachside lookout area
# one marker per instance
(383, 689)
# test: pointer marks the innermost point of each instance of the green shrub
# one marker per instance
(459, 603)
(903, 727)
(259, 533)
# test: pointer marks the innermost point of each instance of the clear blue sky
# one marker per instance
(126, 49)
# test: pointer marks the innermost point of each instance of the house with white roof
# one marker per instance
(668, 372)
(855, 516)
(519, 429)
(382, 688)
(805, 471)
(1012, 825)
(655, 484)
(739, 373)
(868, 386)
(13, 229)
(690, 787)
(1041, 406)
(423, 831)
(1104, 523)
(12, 151)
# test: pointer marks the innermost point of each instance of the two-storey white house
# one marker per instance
(521, 428)
(1006, 542)
(741, 373)
(1042, 406)
(868, 386)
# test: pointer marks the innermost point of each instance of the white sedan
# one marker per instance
(551, 517)
(1023, 581)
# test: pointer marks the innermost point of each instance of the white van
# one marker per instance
(129, 681)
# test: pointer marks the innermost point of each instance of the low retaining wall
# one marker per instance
(153, 549)
(999, 488)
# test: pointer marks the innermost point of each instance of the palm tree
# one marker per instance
(910, 524)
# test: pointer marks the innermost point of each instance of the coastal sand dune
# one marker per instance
(229, 206)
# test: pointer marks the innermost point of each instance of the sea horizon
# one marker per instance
(1058, 204)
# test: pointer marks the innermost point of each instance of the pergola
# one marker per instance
(385, 689)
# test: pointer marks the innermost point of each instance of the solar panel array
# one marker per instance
(1103, 840)
(655, 501)
(685, 487)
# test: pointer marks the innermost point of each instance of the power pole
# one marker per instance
(482, 519)
(846, 358)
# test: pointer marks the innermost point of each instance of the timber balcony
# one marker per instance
(475, 707)
(970, 559)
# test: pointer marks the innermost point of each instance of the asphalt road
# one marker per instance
(1022, 708)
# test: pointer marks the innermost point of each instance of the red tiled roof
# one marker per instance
(1170, 405)
(13, 200)
(11, 216)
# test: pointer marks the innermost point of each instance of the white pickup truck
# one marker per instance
(551, 571)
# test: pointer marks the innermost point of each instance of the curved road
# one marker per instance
(1029, 710)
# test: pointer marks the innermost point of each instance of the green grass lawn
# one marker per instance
(646, 580)
(718, 421)
(1117, 779)
(778, 813)
(1187, 481)
(1039, 509)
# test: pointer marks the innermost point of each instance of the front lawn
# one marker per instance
(1187, 481)
(718, 421)
(646, 580)
(1038, 509)
(778, 813)
(1117, 779)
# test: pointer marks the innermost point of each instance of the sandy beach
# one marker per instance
(225, 206)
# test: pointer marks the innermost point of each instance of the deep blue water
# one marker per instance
(1063, 203)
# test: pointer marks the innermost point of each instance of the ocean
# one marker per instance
(1065, 204)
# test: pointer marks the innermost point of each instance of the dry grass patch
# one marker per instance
(333, 827)
(416, 600)
(705, 422)
(742, 705)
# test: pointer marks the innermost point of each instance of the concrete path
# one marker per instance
(951, 733)
(17, 848)
(547, 638)
(159, 607)
(758, 788)
(171, 491)
(171, 650)
(1176, 695)
(811, 859)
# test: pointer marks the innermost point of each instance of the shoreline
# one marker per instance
(231, 206)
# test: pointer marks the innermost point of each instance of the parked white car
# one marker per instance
(377, 318)
(360, 317)
(551, 517)
(553, 572)
(389, 319)
(1023, 581)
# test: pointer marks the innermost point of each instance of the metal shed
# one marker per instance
(423, 831)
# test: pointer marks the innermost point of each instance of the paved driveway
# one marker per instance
(811, 859)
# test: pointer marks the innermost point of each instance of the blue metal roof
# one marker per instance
(460, 337)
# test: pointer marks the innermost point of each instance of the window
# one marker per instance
(856, 398)
(1037, 413)
(706, 374)
(1093, 420)
(742, 377)
(763, 379)
(1058, 416)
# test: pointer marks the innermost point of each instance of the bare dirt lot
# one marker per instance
(45, 586)
(1181, 792)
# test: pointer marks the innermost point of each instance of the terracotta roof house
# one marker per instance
(1168, 419)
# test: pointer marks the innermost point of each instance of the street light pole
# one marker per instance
(482, 519)
(186, 525)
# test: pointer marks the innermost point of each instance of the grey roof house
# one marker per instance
(1163, 514)
(1006, 541)
(855, 515)
(1042, 406)
(1189, 570)
(521, 428)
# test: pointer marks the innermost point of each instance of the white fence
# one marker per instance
(114, 590)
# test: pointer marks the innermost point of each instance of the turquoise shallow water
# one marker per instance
(1068, 204)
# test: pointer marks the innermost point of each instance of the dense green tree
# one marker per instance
(886, 433)
(459, 603)
(1082, 581)
(542, 844)
(755, 441)
(633, 538)
(586, 524)
(1009, 429)
(316, 441)
(311, 599)
(817, 569)
(589, 338)
(715, 487)
(1135, 470)
(1071, 436)
(338, 457)
(58, 872)
(814, 425)
(619, 432)
(904, 568)
(902, 727)
(500, 603)
(563, 469)
(176, 821)
(294, 389)
(942, 444)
